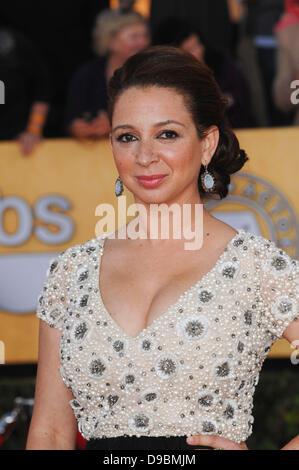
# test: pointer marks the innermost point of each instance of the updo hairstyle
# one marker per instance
(171, 67)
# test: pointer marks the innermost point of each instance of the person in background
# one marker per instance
(26, 89)
(287, 34)
(236, 13)
(125, 6)
(181, 33)
(211, 17)
(116, 36)
(259, 22)
(60, 32)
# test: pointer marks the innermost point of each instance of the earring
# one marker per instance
(119, 187)
(207, 180)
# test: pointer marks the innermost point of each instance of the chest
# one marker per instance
(137, 288)
(209, 333)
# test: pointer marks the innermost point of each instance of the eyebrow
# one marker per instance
(158, 124)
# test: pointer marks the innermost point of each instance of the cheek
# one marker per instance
(124, 160)
(182, 158)
(128, 44)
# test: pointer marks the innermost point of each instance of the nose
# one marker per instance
(146, 153)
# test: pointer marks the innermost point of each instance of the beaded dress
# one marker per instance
(195, 368)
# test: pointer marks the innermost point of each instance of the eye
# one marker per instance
(125, 138)
(169, 135)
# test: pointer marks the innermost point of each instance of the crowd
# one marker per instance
(55, 67)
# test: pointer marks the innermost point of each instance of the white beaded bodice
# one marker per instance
(195, 368)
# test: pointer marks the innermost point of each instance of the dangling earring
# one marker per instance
(118, 187)
(207, 180)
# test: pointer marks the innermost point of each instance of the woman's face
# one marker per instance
(130, 40)
(193, 45)
(153, 133)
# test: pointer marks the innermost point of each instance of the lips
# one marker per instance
(150, 181)
(150, 177)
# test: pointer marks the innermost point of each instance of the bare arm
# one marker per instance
(292, 335)
(34, 130)
(53, 424)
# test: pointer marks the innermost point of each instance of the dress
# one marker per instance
(195, 368)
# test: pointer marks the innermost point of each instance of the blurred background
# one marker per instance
(56, 164)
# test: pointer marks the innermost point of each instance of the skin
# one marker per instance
(145, 147)
(145, 153)
(130, 40)
(151, 150)
(142, 145)
(193, 45)
(53, 425)
(28, 140)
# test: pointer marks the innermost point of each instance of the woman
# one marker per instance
(141, 367)
(116, 37)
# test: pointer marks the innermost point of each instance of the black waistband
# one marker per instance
(141, 443)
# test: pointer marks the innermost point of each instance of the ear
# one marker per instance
(210, 142)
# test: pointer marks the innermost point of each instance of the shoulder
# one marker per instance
(246, 241)
(81, 249)
(74, 255)
(266, 245)
(272, 256)
(269, 259)
(278, 283)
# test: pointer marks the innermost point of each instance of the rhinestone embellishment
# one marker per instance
(195, 368)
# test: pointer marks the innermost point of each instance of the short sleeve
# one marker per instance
(51, 303)
(279, 288)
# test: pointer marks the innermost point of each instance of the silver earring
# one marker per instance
(119, 187)
(207, 180)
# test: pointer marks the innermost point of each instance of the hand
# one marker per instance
(27, 141)
(101, 124)
(216, 442)
(292, 445)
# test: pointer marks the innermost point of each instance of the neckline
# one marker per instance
(171, 307)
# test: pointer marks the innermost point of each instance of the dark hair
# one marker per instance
(170, 67)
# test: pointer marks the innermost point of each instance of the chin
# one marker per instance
(151, 196)
(154, 199)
